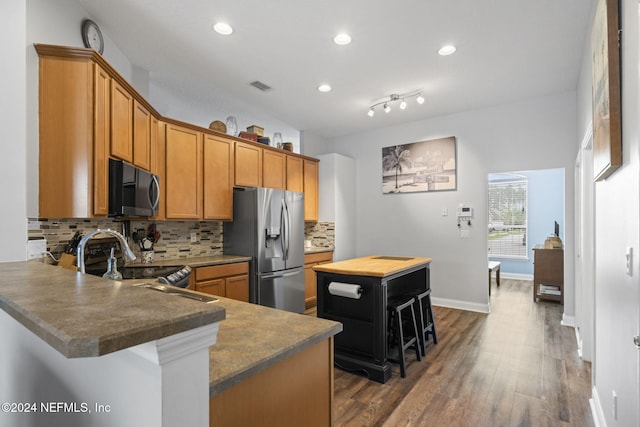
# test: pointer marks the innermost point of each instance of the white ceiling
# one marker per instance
(508, 50)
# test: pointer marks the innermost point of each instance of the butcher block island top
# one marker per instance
(374, 265)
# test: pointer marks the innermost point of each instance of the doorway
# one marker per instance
(524, 207)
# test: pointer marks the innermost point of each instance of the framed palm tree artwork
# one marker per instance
(420, 166)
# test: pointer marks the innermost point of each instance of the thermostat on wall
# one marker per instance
(465, 212)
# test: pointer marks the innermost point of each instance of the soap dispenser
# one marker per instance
(112, 268)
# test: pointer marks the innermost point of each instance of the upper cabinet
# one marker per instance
(183, 172)
(141, 136)
(248, 165)
(121, 123)
(71, 130)
(101, 138)
(295, 177)
(218, 177)
(274, 169)
(311, 190)
(89, 113)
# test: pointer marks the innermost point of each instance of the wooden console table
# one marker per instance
(362, 344)
(548, 270)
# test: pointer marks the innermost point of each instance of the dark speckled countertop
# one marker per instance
(253, 338)
(87, 316)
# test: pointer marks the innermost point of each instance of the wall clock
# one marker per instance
(92, 36)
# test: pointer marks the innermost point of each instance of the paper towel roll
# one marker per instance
(347, 290)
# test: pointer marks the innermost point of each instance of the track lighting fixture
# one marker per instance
(386, 103)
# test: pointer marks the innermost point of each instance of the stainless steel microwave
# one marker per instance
(133, 192)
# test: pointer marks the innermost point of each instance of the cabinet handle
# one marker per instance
(636, 341)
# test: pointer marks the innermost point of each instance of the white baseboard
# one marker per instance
(568, 320)
(461, 305)
(578, 342)
(516, 276)
(596, 409)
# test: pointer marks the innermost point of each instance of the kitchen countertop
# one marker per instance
(317, 249)
(81, 315)
(194, 262)
(374, 265)
(253, 338)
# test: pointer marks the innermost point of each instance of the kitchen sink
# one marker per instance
(179, 292)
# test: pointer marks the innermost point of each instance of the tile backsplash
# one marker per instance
(175, 236)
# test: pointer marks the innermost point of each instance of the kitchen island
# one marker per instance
(88, 351)
(360, 304)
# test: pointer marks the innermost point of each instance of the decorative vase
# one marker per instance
(147, 257)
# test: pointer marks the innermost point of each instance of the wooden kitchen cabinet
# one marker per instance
(548, 271)
(89, 113)
(158, 160)
(141, 136)
(311, 190)
(121, 123)
(101, 138)
(274, 169)
(295, 177)
(227, 280)
(183, 163)
(310, 260)
(248, 165)
(218, 177)
(71, 132)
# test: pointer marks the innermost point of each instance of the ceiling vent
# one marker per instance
(259, 85)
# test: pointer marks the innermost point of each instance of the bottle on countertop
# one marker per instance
(112, 268)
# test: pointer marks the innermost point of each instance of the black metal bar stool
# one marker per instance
(427, 321)
(396, 329)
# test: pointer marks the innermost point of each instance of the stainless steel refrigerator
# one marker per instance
(268, 225)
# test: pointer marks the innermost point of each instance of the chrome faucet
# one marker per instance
(128, 253)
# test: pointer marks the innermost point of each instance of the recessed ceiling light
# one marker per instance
(447, 50)
(342, 39)
(324, 88)
(223, 28)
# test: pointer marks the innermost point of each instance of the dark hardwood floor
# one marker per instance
(514, 367)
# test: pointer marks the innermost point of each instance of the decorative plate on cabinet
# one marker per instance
(218, 126)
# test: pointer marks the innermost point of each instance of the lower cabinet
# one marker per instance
(228, 280)
(297, 391)
(310, 292)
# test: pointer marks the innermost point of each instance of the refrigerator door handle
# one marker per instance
(275, 275)
(285, 229)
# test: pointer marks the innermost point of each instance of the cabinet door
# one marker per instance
(101, 127)
(183, 194)
(248, 165)
(218, 178)
(274, 172)
(213, 287)
(237, 288)
(121, 123)
(158, 136)
(141, 136)
(295, 180)
(310, 190)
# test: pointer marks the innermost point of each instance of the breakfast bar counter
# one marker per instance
(354, 292)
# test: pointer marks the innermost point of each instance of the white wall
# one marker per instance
(533, 134)
(13, 160)
(337, 177)
(616, 361)
(58, 22)
(202, 112)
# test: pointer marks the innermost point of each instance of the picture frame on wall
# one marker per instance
(420, 166)
(607, 133)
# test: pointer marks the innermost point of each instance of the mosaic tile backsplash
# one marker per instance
(175, 236)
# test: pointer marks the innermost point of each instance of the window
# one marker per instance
(507, 216)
